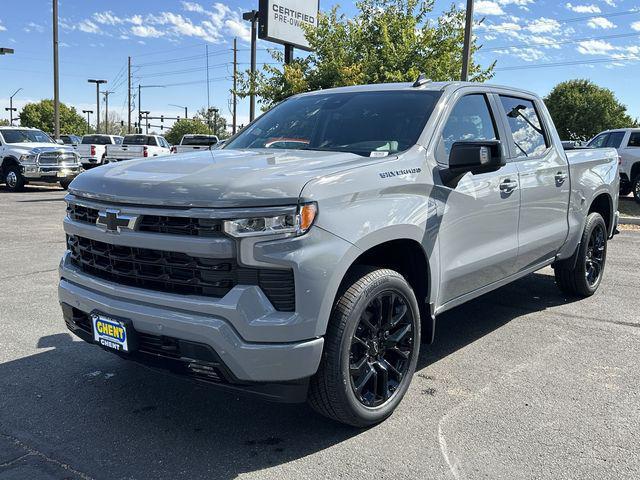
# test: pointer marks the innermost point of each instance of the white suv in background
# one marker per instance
(627, 142)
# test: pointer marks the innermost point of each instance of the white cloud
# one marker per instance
(583, 8)
(136, 20)
(484, 7)
(31, 27)
(238, 28)
(519, 3)
(192, 7)
(544, 25)
(107, 18)
(601, 22)
(2, 27)
(611, 3)
(146, 31)
(595, 47)
(88, 26)
(635, 26)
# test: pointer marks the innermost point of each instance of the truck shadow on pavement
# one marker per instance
(102, 417)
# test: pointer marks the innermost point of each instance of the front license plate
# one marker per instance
(110, 333)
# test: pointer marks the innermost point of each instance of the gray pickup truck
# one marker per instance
(309, 257)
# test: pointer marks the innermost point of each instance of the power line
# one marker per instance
(585, 17)
(568, 63)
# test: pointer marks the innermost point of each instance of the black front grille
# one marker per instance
(175, 272)
(202, 227)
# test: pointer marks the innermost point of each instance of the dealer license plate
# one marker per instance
(110, 333)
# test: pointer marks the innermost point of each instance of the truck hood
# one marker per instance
(216, 178)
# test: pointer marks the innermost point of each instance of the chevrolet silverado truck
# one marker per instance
(137, 146)
(312, 270)
(93, 149)
(627, 142)
(28, 155)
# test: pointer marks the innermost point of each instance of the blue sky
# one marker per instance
(595, 39)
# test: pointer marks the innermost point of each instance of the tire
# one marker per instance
(636, 188)
(625, 189)
(353, 350)
(583, 277)
(13, 179)
(64, 183)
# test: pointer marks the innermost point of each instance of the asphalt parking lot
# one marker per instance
(521, 383)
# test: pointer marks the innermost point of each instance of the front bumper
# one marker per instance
(52, 173)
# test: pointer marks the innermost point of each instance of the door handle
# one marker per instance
(508, 186)
(561, 177)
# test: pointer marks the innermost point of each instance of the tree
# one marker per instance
(114, 125)
(386, 41)
(185, 127)
(217, 123)
(580, 109)
(4, 122)
(40, 115)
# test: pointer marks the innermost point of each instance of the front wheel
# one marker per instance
(582, 277)
(636, 188)
(370, 352)
(13, 179)
(65, 182)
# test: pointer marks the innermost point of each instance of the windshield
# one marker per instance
(25, 136)
(139, 140)
(203, 140)
(366, 123)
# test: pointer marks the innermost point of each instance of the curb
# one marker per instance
(629, 221)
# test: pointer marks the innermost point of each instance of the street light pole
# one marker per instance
(11, 109)
(106, 94)
(97, 82)
(252, 17)
(56, 75)
(88, 125)
(146, 123)
(140, 87)
(466, 48)
(186, 113)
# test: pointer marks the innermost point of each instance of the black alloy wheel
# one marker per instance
(381, 348)
(594, 259)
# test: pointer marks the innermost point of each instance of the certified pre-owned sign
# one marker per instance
(283, 21)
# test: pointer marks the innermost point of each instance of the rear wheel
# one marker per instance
(13, 179)
(371, 350)
(64, 183)
(583, 277)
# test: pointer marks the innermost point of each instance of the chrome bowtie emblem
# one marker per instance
(113, 221)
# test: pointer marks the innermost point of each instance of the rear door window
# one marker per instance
(634, 140)
(529, 136)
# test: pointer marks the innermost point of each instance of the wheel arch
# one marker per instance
(7, 162)
(407, 257)
(635, 171)
(602, 203)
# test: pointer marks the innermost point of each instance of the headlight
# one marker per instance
(28, 159)
(290, 223)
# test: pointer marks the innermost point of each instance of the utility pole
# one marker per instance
(206, 50)
(88, 112)
(97, 82)
(235, 83)
(56, 75)
(11, 109)
(466, 49)
(106, 94)
(288, 54)
(252, 17)
(129, 97)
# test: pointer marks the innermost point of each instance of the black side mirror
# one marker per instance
(480, 156)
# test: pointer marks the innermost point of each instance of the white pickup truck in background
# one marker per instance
(627, 142)
(92, 149)
(195, 142)
(138, 146)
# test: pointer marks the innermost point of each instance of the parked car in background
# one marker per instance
(627, 143)
(28, 155)
(73, 140)
(312, 272)
(92, 148)
(138, 146)
(189, 143)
